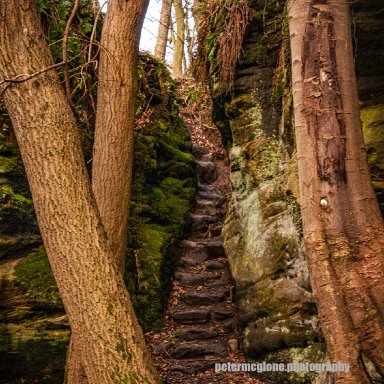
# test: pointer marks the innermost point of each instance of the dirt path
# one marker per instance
(201, 322)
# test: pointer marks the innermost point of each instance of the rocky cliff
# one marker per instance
(262, 231)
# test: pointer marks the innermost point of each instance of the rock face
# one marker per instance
(262, 230)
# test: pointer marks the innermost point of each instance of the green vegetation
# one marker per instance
(35, 275)
(162, 192)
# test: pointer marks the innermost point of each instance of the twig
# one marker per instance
(93, 34)
(65, 52)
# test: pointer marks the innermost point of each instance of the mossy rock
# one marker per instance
(313, 353)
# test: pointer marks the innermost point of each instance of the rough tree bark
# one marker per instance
(94, 295)
(162, 34)
(113, 141)
(178, 53)
(115, 119)
(342, 223)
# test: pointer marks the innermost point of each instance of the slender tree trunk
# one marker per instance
(178, 53)
(115, 119)
(162, 34)
(93, 291)
(113, 143)
(342, 223)
(189, 37)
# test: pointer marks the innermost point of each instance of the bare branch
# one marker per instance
(65, 53)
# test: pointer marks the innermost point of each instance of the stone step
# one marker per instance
(197, 299)
(200, 222)
(206, 171)
(201, 187)
(214, 265)
(222, 313)
(193, 350)
(194, 253)
(192, 248)
(195, 333)
(216, 230)
(191, 317)
(215, 248)
(209, 210)
(205, 204)
(204, 279)
(199, 150)
(194, 366)
(206, 195)
(207, 157)
(192, 261)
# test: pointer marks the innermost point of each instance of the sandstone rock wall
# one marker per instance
(262, 231)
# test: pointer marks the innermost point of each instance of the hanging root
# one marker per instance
(231, 41)
(220, 37)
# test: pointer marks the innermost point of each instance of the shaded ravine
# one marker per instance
(201, 320)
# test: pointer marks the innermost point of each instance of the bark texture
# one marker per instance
(342, 223)
(162, 34)
(178, 53)
(115, 120)
(95, 298)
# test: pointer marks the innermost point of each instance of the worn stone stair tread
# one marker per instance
(199, 150)
(211, 196)
(194, 366)
(200, 222)
(211, 279)
(222, 313)
(196, 333)
(206, 171)
(191, 316)
(214, 265)
(192, 248)
(193, 260)
(203, 204)
(206, 187)
(215, 248)
(192, 350)
(202, 298)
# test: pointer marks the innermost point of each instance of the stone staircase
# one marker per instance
(201, 320)
(201, 325)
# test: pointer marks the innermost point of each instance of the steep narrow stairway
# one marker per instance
(201, 323)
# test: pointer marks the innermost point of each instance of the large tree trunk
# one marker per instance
(342, 223)
(162, 34)
(94, 295)
(178, 53)
(115, 119)
(113, 143)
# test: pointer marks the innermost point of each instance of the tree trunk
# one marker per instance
(113, 142)
(189, 37)
(162, 34)
(178, 53)
(115, 119)
(342, 223)
(93, 291)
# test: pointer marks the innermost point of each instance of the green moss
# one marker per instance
(35, 276)
(263, 158)
(162, 192)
